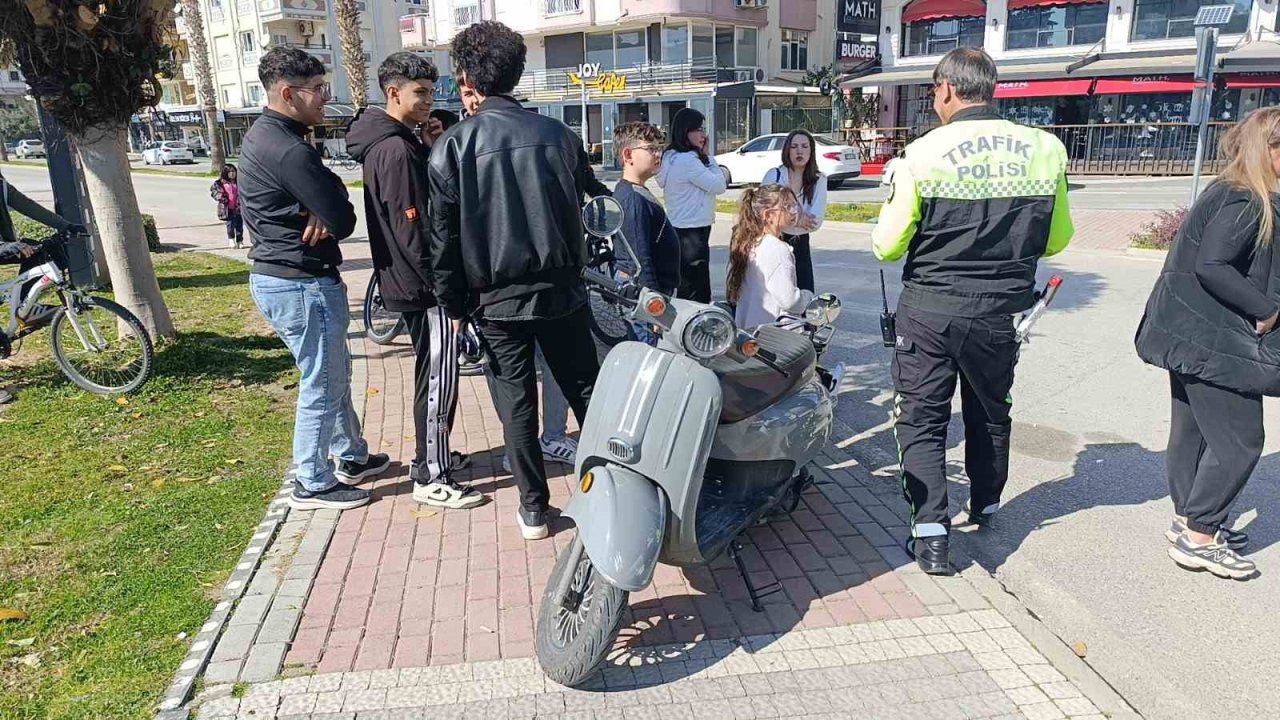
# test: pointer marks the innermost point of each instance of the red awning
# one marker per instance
(1253, 80)
(1145, 84)
(937, 9)
(1042, 88)
(1020, 4)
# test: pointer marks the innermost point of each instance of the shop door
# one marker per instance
(669, 110)
(595, 132)
(633, 112)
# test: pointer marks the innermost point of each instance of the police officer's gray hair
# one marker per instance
(971, 71)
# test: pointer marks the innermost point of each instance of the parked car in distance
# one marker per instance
(29, 149)
(197, 147)
(169, 151)
(11, 149)
(749, 163)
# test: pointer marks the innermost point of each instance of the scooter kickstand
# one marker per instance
(756, 594)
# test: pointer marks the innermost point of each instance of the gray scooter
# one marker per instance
(685, 446)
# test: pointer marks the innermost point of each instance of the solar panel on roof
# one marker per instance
(1214, 15)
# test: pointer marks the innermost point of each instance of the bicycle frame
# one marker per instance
(49, 277)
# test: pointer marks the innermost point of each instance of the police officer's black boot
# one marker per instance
(932, 554)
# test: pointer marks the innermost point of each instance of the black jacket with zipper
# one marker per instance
(506, 196)
(1217, 282)
(395, 207)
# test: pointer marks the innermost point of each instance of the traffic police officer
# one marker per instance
(974, 205)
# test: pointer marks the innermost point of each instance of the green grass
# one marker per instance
(120, 522)
(842, 212)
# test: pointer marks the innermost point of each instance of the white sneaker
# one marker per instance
(535, 528)
(563, 450)
(447, 494)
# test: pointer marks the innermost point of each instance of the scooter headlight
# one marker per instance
(709, 334)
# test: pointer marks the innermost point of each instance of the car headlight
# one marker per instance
(709, 334)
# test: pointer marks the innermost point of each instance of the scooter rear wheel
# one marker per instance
(573, 637)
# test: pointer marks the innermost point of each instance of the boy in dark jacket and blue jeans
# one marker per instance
(395, 201)
(644, 222)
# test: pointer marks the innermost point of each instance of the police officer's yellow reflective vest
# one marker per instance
(974, 205)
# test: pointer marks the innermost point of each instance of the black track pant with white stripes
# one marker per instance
(435, 374)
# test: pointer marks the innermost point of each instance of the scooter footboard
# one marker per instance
(621, 517)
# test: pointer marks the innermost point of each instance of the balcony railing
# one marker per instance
(292, 9)
(323, 53)
(249, 57)
(466, 15)
(554, 84)
(217, 14)
(417, 30)
(561, 7)
(244, 7)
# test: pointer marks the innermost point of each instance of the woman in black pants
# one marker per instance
(1209, 322)
(799, 171)
(691, 180)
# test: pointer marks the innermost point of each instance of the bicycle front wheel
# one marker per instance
(381, 324)
(101, 347)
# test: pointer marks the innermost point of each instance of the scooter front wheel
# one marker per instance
(574, 635)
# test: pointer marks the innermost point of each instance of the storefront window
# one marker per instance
(748, 54)
(1039, 27)
(935, 37)
(733, 123)
(1270, 97)
(795, 50)
(724, 46)
(915, 107)
(675, 44)
(704, 45)
(600, 49)
(1160, 19)
(629, 49)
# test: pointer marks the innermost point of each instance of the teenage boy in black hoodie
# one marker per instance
(395, 201)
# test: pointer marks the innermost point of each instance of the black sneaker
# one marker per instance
(352, 473)
(1215, 557)
(338, 497)
(533, 524)
(980, 518)
(932, 554)
(447, 494)
(1235, 540)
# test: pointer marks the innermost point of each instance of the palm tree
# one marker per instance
(352, 51)
(204, 79)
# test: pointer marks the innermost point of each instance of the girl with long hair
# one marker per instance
(691, 180)
(226, 192)
(1209, 322)
(762, 268)
(799, 171)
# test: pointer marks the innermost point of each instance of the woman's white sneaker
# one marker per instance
(1214, 557)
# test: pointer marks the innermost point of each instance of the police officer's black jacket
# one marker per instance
(506, 193)
(1217, 282)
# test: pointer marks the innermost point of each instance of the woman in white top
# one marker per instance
(691, 180)
(799, 171)
(762, 268)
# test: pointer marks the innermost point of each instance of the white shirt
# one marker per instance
(690, 189)
(769, 287)
(817, 208)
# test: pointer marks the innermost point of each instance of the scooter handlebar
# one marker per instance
(608, 286)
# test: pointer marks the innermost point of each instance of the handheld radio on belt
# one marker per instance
(888, 320)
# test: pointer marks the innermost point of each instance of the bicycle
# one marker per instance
(610, 321)
(342, 160)
(99, 345)
(383, 326)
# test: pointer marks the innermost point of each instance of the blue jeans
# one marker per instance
(311, 317)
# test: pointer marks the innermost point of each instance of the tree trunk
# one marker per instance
(204, 81)
(352, 51)
(119, 222)
(4, 153)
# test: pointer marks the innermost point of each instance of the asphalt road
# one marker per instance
(1079, 540)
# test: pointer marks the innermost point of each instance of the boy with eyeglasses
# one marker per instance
(644, 222)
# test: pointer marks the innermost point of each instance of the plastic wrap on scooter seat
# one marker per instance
(750, 387)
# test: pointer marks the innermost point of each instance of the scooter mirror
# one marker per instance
(602, 216)
(823, 309)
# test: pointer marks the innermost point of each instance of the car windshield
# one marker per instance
(175, 146)
(34, 142)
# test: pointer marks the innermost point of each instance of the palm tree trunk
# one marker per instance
(204, 80)
(105, 162)
(352, 51)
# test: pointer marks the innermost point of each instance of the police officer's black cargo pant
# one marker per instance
(932, 352)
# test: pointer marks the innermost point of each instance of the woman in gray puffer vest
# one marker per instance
(1209, 322)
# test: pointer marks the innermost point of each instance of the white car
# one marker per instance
(29, 149)
(169, 151)
(749, 163)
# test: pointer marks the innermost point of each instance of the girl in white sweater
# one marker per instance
(762, 268)
(690, 181)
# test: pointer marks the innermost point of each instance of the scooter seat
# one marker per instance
(750, 387)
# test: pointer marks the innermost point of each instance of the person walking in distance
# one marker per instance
(1210, 323)
(973, 206)
(690, 181)
(297, 211)
(396, 206)
(226, 193)
(799, 171)
(507, 244)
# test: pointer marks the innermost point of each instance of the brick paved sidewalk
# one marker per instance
(400, 607)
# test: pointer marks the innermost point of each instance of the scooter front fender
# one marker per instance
(621, 520)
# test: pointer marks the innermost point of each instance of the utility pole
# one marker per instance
(68, 199)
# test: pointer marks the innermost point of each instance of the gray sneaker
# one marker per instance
(1215, 557)
(1235, 540)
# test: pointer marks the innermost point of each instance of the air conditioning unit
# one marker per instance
(751, 3)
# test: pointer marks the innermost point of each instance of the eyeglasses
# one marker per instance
(651, 149)
(322, 89)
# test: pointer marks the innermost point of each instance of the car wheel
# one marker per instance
(834, 184)
(728, 176)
